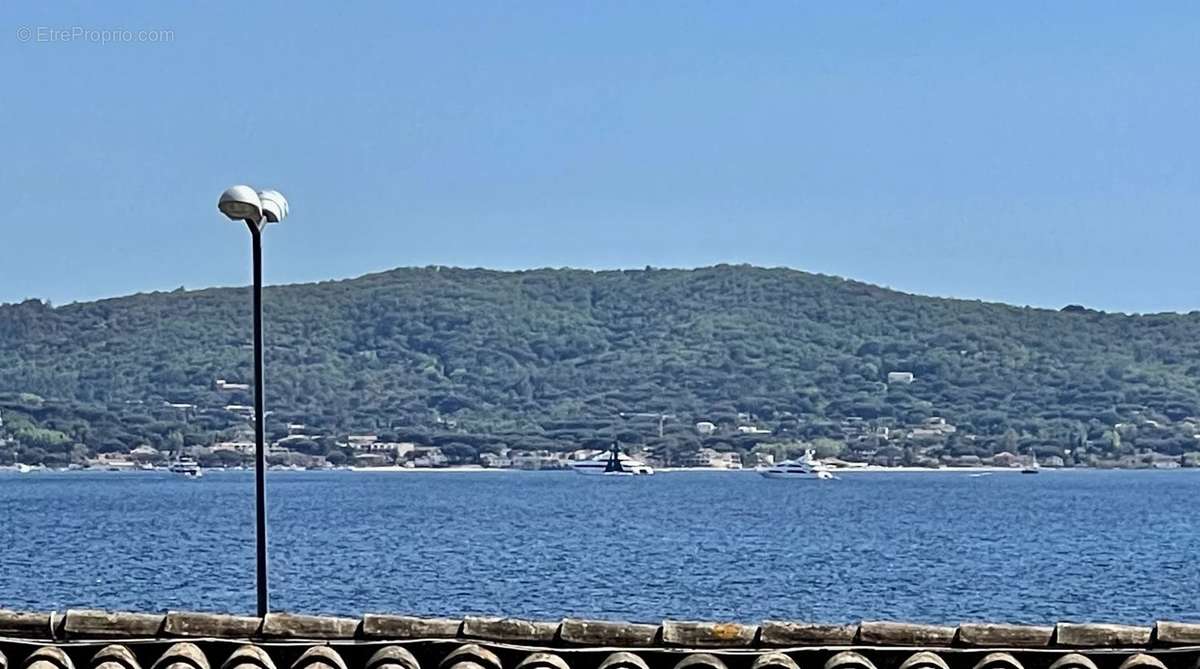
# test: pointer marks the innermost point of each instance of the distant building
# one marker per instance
(962, 461)
(707, 457)
(240, 409)
(1056, 461)
(752, 429)
(924, 434)
(225, 386)
(243, 447)
(932, 428)
(369, 443)
(900, 377)
(705, 427)
(493, 461)
(536, 460)
(428, 456)
(397, 448)
(1006, 459)
(371, 460)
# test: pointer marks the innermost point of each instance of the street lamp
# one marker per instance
(257, 209)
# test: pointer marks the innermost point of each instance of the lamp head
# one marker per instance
(241, 203)
(274, 205)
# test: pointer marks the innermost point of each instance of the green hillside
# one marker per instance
(551, 358)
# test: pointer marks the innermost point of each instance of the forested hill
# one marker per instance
(537, 353)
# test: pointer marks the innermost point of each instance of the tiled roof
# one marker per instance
(81, 639)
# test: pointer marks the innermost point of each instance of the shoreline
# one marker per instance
(461, 469)
(854, 470)
(466, 469)
(869, 469)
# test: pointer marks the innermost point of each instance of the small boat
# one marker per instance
(804, 467)
(1032, 467)
(187, 467)
(23, 468)
(615, 463)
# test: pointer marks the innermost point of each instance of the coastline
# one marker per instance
(394, 469)
(466, 469)
(851, 470)
(869, 469)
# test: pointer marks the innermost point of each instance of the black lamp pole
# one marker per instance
(260, 450)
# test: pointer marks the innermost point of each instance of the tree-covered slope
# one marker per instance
(532, 352)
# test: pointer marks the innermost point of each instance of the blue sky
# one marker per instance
(1038, 154)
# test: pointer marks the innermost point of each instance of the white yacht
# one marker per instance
(187, 467)
(612, 463)
(804, 467)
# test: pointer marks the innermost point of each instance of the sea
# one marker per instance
(939, 547)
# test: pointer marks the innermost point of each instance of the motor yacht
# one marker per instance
(804, 467)
(187, 467)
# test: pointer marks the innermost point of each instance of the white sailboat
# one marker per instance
(1032, 467)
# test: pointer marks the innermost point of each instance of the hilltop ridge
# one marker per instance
(551, 358)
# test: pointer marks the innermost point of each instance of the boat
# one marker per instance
(612, 463)
(1032, 467)
(187, 467)
(804, 467)
(23, 468)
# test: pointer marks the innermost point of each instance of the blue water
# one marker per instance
(937, 547)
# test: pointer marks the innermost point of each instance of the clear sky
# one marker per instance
(1040, 153)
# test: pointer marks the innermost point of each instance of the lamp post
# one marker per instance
(257, 209)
